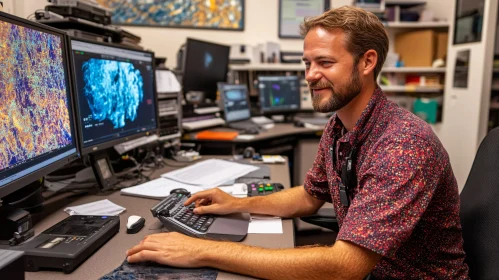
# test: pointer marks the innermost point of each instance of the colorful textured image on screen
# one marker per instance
(217, 14)
(34, 117)
(114, 90)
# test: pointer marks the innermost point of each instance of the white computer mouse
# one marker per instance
(135, 224)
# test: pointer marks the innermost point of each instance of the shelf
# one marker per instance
(432, 89)
(413, 70)
(417, 24)
(494, 105)
(268, 67)
(404, 3)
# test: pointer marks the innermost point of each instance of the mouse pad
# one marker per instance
(154, 271)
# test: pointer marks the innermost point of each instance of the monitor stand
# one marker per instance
(28, 198)
(103, 170)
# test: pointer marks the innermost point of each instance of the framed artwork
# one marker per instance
(293, 12)
(204, 14)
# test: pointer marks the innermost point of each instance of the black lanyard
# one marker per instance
(348, 176)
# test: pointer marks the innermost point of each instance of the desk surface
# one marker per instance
(112, 254)
(279, 130)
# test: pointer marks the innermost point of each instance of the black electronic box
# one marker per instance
(67, 244)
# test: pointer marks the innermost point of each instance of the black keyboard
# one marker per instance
(259, 189)
(243, 125)
(177, 217)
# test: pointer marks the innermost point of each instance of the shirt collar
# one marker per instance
(366, 121)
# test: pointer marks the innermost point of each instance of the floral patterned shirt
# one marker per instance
(405, 205)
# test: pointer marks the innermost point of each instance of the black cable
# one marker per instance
(56, 178)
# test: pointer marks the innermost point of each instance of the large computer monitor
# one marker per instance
(235, 102)
(115, 94)
(279, 94)
(116, 100)
(37, 131)
(205, 65)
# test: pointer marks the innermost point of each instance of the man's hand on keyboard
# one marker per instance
(172, 248)
(214, 201)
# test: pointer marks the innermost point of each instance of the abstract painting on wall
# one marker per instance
(207, 14)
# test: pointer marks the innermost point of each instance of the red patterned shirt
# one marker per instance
(405, 205)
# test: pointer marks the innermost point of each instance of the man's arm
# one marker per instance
(344, 260)
(293, 202)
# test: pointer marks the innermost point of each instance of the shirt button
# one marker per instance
(341, 154)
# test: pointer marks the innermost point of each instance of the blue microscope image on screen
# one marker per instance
(114, 90)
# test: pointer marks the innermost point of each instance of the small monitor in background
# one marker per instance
(279, 94)
(235, 102)
(205, 65)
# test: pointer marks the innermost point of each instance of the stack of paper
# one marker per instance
(210, 173)
(265, 224)
(97, 208)
(204, 175)
(158, 189)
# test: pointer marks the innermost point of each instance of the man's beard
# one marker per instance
(340, 98)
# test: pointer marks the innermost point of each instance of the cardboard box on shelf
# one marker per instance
(442, 39)
(416, 48)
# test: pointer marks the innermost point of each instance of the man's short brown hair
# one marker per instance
(364, 31)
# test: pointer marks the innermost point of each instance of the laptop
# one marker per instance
(236, 106)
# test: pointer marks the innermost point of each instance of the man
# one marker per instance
(397, 206)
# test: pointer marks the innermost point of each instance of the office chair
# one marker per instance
(480, 210)
(324, 217)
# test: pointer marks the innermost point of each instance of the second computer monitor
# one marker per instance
(205, 65)
(279, 94)
(235, 102)
(115, 94)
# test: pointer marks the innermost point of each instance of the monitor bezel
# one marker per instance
(186, 62)
(270, 112)
(222, 100)
(108, 144)
(20, 183)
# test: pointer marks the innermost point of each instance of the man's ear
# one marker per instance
(368, 62)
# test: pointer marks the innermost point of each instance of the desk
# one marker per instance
(299, 144)
(112, 254)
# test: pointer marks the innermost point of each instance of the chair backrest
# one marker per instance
(480, 211)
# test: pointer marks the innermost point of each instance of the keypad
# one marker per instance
(259, 189)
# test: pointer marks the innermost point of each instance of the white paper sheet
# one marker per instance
(158, 188)
(263, 217)
(265, 226)
(166, 81)
(245, 136)
(99, 208)
(210, 173)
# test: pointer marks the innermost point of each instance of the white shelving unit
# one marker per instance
(415, 89)
(417, 25)
(268, 67)
(412, 70)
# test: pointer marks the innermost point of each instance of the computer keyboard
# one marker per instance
(177, 217)
(132, 144)
(260, 189)
(243, 125)
(200, 124)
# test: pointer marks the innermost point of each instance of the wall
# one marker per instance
(260, 26)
